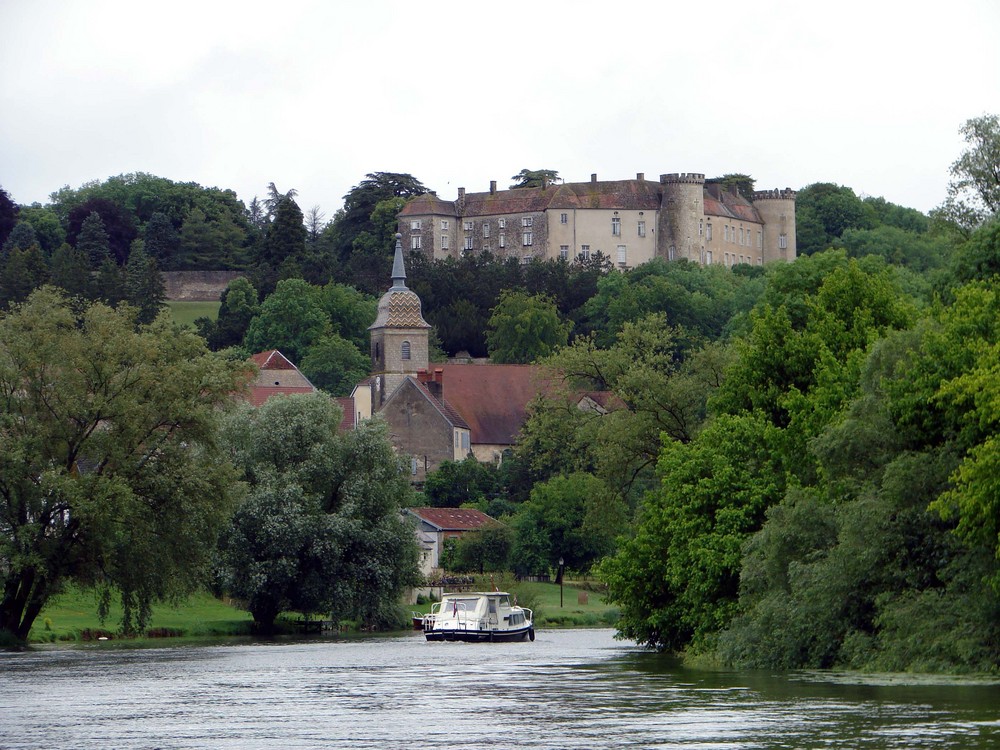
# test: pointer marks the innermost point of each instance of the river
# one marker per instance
(567, 689)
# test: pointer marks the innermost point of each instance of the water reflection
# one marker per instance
(568, 689)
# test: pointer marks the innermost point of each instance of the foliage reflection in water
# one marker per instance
(568, 689)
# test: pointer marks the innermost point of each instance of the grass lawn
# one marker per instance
(73, 615)
(186, 313)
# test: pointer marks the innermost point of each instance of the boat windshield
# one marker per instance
(455, 606)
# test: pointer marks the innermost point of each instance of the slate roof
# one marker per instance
(452, 519)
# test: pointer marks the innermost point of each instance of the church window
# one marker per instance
(405, 350)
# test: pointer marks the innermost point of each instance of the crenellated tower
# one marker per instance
(777, 210)
(399, 335)
(681, 215)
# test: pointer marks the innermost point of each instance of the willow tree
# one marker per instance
(109, 473)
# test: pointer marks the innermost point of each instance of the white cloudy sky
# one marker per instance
(314, 95)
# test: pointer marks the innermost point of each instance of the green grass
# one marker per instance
(186, 313)
(73, 615)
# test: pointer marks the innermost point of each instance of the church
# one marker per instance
(438, 412)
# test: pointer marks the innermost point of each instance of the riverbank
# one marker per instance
(72, 616)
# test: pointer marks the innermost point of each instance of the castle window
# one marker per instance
(467, 226)
(642, 229)
(563, 252)
(526, 221)
(444, 224)
(616, 227)
(741, 236)
(585, 252)
(525, 260)
(486, 229)
(468, 242)
(444, 242)
(760, 240)
(701, 228)
(502, 241)
(563, 218)
(621, 255)
(415, 242)
(708, 257)
(783, 241)
(526, 239)
(405, 350)
(672, 253)
(708, 232)
(415, 225)
(502, 223)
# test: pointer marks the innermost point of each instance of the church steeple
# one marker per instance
(399, 335)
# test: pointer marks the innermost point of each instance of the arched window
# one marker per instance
(406, 350)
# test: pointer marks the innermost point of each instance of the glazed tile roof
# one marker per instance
(452, 519)
(399, 308)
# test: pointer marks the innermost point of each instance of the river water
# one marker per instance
(567, 689)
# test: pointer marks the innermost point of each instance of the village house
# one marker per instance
(629, 222)
(278, 376)
(435, 526)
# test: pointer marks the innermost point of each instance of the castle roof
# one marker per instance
(640, 195)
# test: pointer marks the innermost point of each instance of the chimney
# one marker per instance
(640, 176)
(593, 177)
(545, 182)
(435, 383)
(461, 200)
(493, 187)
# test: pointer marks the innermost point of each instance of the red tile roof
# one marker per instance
(272, 360)
(452, 519)
(259, 394)
(349, 421)
(493, 398)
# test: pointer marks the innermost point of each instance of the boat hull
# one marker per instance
(481, 636)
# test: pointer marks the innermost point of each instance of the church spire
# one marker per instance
(398, 271)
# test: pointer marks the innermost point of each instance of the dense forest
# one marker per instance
(797, 464)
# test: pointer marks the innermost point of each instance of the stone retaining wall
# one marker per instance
(198, 286)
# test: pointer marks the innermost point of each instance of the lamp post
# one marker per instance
(560, 582)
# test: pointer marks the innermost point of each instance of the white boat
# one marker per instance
(478, 616)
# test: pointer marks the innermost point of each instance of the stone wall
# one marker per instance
(198, 286)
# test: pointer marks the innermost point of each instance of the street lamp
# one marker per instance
(560, 582)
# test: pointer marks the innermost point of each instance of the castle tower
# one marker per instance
(399, 335)
(682, 212)
(777, 209)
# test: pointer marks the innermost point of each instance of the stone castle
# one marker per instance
(627, 221)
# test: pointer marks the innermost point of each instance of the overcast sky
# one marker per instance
(314, 95)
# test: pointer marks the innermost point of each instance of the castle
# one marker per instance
(628, 221)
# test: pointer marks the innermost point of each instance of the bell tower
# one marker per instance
(399, 336)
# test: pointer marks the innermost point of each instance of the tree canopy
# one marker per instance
(109, 471)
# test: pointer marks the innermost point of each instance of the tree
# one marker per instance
(974, 192)
(48, 228)
(21, 237)
(488, 549)
(290, 319)
(321, 530)
(70, 271)
(161, 240)
(116, 221)
(21, 273)
(523, 328)
(825, 210)
(360, 202)
(741, 184)
(531, 178)
(237, 309)
(333, 364)
(144, 288)
(456, 483)
(8, 215)
(92, 240)
(109, 474)
(208, 244)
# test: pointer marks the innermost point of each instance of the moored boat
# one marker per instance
(478, 616)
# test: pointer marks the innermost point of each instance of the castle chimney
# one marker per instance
(640, 176)
(593, 177)
(545, 182)
(461, 200)
(493, 187)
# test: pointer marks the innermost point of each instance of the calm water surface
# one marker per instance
(568, 689)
